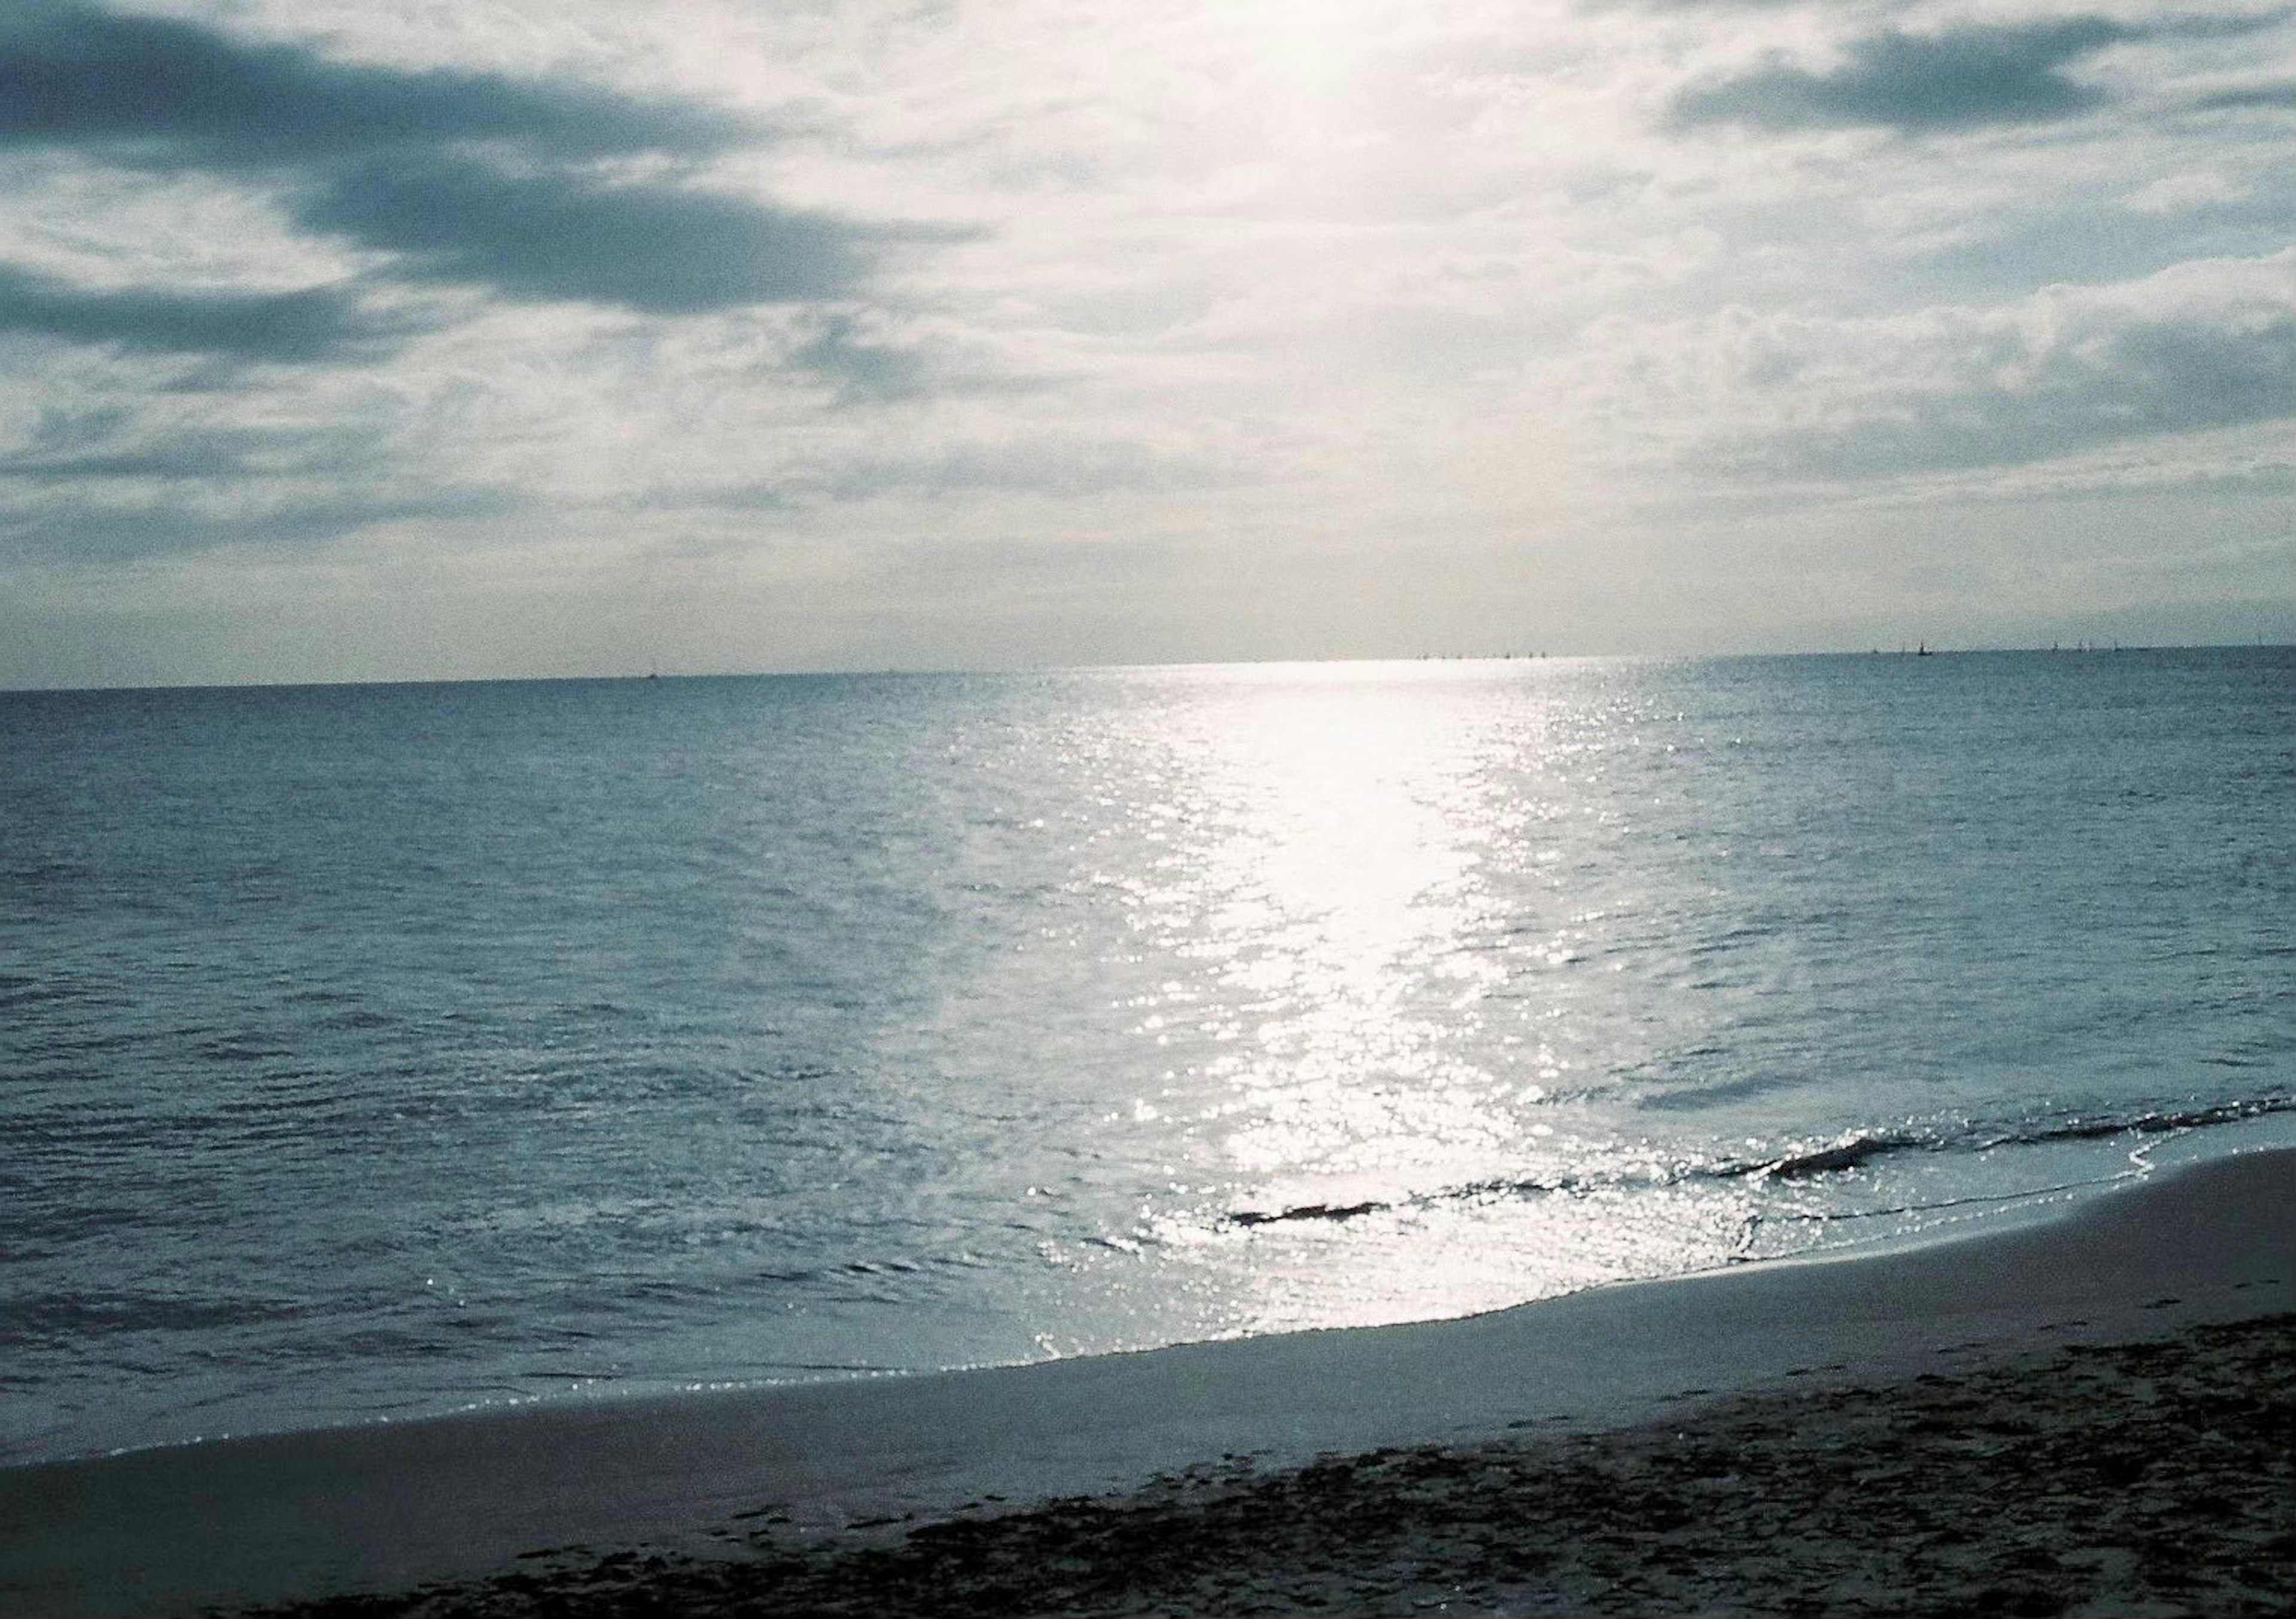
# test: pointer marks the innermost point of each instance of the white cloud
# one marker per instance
(1401, 301)
(2182, 193)
(2196, 347)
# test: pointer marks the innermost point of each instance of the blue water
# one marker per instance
(383, 1051)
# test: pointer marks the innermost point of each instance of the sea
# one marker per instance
(371, 1053)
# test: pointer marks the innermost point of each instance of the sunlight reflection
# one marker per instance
(1332, 880)
(1368, 935)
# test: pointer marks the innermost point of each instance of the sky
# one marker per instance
(400, 340)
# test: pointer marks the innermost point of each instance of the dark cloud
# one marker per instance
(468, 178)
(1961, 79)
(314, 323)
(559, 234)
(174, 94)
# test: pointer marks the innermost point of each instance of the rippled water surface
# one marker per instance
(375, 1050)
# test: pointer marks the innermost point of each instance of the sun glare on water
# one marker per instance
(1367, 1033)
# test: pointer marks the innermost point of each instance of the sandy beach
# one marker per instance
(2150, 1478)
(2090, 1414)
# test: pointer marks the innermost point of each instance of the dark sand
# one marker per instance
(2156, 1478)
(1950, 1428)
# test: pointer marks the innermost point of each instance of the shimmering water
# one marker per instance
(381, 1051)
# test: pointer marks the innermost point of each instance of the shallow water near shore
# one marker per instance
(377, 1052)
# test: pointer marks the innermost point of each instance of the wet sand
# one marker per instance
(1939, 1429)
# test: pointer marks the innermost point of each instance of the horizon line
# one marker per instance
(1918, 648)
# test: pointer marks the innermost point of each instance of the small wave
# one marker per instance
(1856, 1150)
(1307, 1211)
(834, 1271)
(1827, 1160)
(1838, 1157)
(18, 992)
(49, 1319)
(2076, 1128)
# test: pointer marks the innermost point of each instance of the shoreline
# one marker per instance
(833, 1466)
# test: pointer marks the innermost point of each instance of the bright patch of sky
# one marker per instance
(404, 341)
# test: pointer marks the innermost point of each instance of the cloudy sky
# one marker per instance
(408, 339)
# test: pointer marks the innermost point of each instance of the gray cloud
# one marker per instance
(1043, 464)
(313, 323)
(108, 444)
(1961, 78)
(468, 178)
(82, 532)
(106, 485)
(2271, 97)
(2112, 383)
(840, 352)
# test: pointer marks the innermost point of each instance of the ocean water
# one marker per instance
(377, 1052)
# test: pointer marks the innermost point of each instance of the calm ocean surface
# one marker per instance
(384, 1050)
